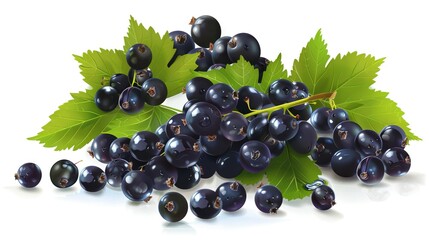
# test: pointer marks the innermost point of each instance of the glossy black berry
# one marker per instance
(323, 197)
(324, 150)
(246, 45)
(397, 161)
(368, 143)
(100, 147)
(215, 144)
(234, 126)
(29, 175)
(164, 174)
(268, 199)
(304, 114)
(393, 136)
(203, 118)
(219, 53)
(205, 30)
(141, 76)
(251, 95)
(106, 98)
(305, 139)
(116, 170)
(197, 87)
(64, 173)
(177, 125)
(92, 179)
(154, 91)
(258, 129)
(144, 145)
(254, 156)
(344, 162)
(228, 165)
(233, 196)
(205, 204)
(207, 164)
(139, 56)
(120, 149)
(280, 91)
(337, 116)
(345, 133)
(283, 127)
(370, 170)
(188, 178)
(204, 59)
(131, 100)
(137, 186)
(223, 97)
(182, 151)
(173, 206)
(319, 119)
(119, 82)
(182, 42)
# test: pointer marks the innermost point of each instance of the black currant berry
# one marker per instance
(219, 53)
(246, 45)
(100, 147)
(119, 82)
(139, 56)
(205, 30)
(131, 100)
(28, 175)
(154, 91)
(64, 173)
(204, 59)
(106, 98)
(205, 204)
(173, 206)
(323, 197)
(92, 179)
(268, 199)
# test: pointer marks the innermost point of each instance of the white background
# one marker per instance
(38, 38)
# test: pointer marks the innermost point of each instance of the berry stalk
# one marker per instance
(329, 95)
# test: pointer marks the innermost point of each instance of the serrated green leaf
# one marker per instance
(96, 66)
(148, 120)
(312, 62)
(250, 178)
(275, 70)
(290, 171)
(351, 76)
(179, 73)
(376, 112)
(237, 75)
(75, 123)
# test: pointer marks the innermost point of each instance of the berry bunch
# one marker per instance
(225, 131)
(132, 91)
(352, 151)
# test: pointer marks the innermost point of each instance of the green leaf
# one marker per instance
(249, 178)
(351, 76)
(237, 75)
(312, 62)
(96, 66)
(149, 119)
(275, 70)
(290, 171)
(75, 123)
(376, 112)
(179, 73)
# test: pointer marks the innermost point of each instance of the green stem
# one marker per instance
(330, 95)
(134, 77)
